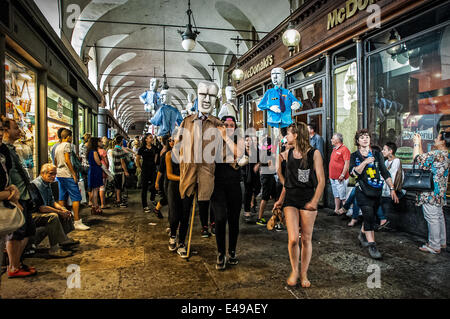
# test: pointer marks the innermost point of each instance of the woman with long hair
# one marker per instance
(95, 173)
(298, 199)
(226, 199)
(367, 165)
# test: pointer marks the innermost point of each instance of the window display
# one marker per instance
(59, 112)
(409, 92)
(81, 123)
(20, 87)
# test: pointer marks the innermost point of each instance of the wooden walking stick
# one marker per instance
(191, 226)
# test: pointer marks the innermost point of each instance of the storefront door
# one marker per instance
(311, 94)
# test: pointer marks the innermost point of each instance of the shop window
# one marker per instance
(345, 55)
(255, 117)
(310, 95)
(409, 92)
(81, 122)
(307, 71)
(59, 113)
(345, 103)
(20, 87)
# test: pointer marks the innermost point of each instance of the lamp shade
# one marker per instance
(237, 74)
(291, 37)
(188, 44)
(393, 39)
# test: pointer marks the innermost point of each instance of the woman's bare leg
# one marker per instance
(307, 221)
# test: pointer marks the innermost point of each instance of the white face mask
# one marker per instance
(154, 83)
(277, 76)
(165, 97)
(207, 95)
(230, 93)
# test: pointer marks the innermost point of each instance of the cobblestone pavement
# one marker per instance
(125, 255)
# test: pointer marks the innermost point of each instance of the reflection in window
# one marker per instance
(307, 71)
(409, 92)
(310, 96)
(345, 103)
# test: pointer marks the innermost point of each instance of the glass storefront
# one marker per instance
(59, 112)
(81, 123)
(409, 91)
(345, 103)
(21, 97)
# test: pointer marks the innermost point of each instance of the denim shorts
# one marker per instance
(67, 187)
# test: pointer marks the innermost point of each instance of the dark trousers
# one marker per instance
(148, 183)
(369, 207)
(177, 215)
(250, 190)
(226, 202)
(51, 225)
(204, 211)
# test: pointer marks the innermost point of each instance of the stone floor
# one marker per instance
(125, 255)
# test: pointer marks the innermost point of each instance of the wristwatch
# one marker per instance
(392, 188)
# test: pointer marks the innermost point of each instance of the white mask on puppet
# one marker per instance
(154, 84)
(166, 96)
(277, 76)
(207, 95)
(190, 101)
(230, 93)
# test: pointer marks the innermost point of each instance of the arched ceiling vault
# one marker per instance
(129, 51)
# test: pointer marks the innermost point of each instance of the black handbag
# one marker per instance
(418, 180)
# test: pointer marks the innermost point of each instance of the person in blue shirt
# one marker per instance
(279, 102)
(151, 99)
(167, 117)
(315, 139)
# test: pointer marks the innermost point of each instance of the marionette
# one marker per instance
(167, 117)
(279, 102)
(229, 107)
(151, 99)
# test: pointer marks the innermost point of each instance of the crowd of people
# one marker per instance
(291, 174)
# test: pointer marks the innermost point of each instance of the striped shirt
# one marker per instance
(118, 153)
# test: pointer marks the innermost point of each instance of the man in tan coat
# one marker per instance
(196, 173)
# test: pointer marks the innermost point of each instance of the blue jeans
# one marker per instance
(352, 200)
(380, 213)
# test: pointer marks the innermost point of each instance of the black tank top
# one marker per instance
(298, 173)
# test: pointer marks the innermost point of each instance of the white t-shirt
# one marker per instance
(61, 169)
(393, 171)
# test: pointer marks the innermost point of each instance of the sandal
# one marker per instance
(98, 211)
(352, 223)
(427, 249)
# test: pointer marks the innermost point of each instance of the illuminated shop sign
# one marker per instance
(253, 70)
(338, 16)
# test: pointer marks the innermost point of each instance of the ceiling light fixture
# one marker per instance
(189, 36)
(291, 37)
(237, 74)
(394, 38)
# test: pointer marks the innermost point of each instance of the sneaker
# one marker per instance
(158, 213)
(261, 222)
(182, 251)
(78, 224)
(205, 232)
(147, 209)
(363, 240)
(232, 258)
(213, 229)
(253, 210)
(221, 262)
(20, 273)
(373, 251)
(59, 253)
(116, 204)
(278, 227)
(172, 243)
(123, 205)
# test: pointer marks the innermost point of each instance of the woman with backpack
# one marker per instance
(367, 166)
(303, 187)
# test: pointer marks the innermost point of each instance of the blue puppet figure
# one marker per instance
(279, 102)
(151, 99)
(167, 117)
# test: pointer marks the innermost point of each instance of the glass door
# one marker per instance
(311, 94)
